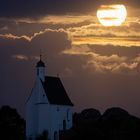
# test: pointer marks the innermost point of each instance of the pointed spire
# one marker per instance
(40, 55)
(40, 63)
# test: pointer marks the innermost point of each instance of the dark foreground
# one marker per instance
(114, 124)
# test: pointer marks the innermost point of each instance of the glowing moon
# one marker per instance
(111, 15)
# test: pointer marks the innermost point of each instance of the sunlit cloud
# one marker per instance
(29, 38)
(116, 41)
(20, 57)
(82, 29)
(114, 68)
(11, 36)
(125, 35)
(91, 33)
(62, 19)
(97, 63)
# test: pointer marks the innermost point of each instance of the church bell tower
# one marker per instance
(41, 69)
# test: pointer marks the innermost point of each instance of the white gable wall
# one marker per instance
(33, 105)
(41, 115)
(32, 113)
(31, 121)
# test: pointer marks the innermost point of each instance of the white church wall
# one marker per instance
(33, 109)
(31, 129)
(44, 118)
(41, 116)
(55, 121)
(59, 114)
(51, 118)
(31, 113)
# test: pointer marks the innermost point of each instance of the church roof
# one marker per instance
(55, 91)
(40, 63)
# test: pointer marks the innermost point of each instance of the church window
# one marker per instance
(68, 114)
(64, 124)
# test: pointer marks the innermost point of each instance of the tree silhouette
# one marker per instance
(12, 126)
(114, 124)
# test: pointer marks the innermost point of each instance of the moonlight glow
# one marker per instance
(111, 15)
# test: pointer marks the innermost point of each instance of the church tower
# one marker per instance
(41, 69)
(48, 108)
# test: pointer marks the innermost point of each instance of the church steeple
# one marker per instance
(41, 69)
(40, 63)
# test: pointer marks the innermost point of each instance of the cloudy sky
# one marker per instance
(99, 66)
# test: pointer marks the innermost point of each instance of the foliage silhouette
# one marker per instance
(12, 126)
(114, 124)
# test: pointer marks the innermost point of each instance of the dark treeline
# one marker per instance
(114, 124)
(12, 126)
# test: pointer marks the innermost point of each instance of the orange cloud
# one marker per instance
(116, 41)
(20, 57)
(98, 63)
(11, 36)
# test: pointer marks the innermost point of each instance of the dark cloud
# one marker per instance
(47, 41)
(35, 8)
(108, 50)
(20, 28)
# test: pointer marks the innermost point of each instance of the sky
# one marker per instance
(99, 66)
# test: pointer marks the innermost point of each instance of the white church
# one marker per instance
(48, 108)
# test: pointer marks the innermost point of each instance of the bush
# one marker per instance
(12, 126)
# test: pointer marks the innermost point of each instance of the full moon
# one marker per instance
(111, 15)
